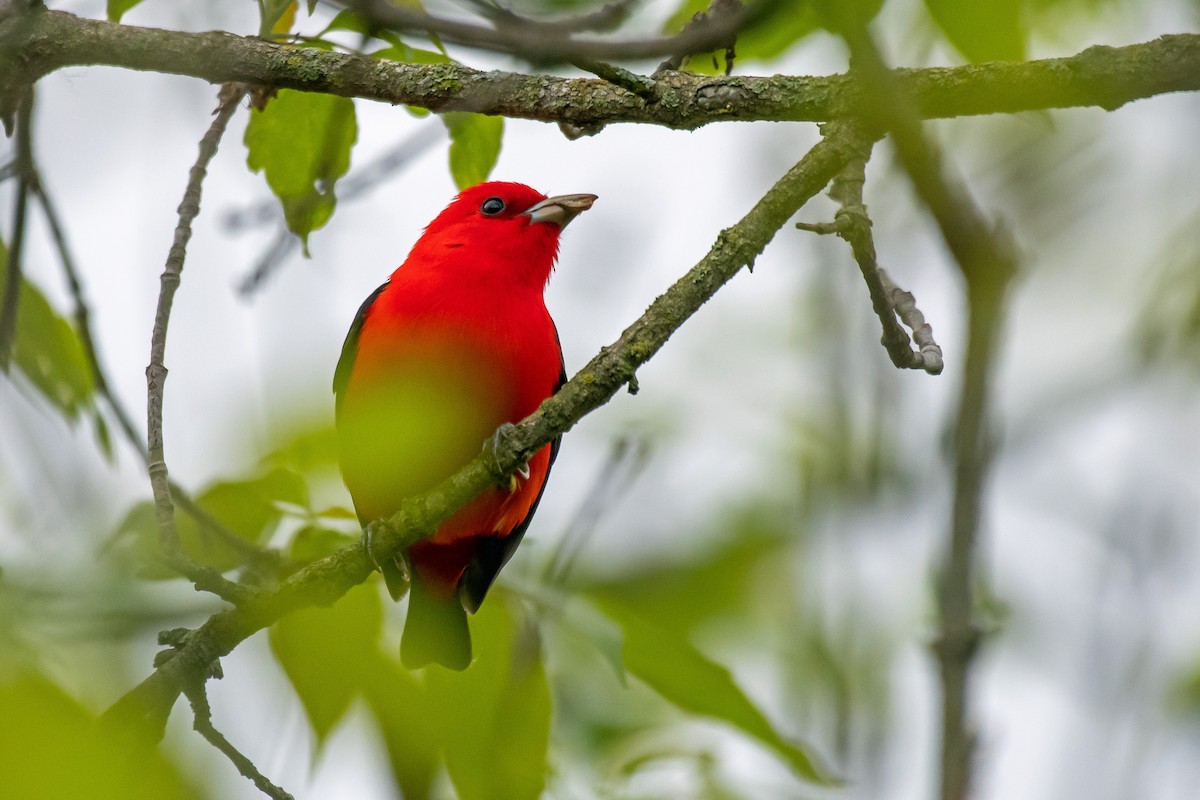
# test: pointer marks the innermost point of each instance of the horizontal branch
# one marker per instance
(40, 42)
(323, 582)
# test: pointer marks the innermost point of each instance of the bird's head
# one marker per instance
(500, 229)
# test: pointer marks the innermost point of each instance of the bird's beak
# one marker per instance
(560, 210)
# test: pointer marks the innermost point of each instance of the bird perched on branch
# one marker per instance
(456, 343)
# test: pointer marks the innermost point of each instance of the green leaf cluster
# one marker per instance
(48, 351)
(301, 142)
(490, 725)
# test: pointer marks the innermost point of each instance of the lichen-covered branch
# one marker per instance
(37, 43)
(324, 581)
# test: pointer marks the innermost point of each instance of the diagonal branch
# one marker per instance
(44, 41)
(323, 582)
(203, 725)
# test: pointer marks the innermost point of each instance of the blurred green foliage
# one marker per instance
(47, 349)
(52, 748)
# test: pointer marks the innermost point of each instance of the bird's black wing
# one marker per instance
(493, 552)
(393, 573)
(341, 375)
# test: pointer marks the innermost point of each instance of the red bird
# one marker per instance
(456, 343)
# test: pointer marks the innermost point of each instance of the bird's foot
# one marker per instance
(493, 446)
(393, 564)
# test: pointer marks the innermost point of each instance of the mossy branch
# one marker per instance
(324, 581)
(35, 44)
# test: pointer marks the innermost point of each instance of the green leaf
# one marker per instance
(718, 582)
(671, 666)
(411, 725)
(328, 653)
(399, 51)
(989, 31)
(496, 712)
(474, 146)
(301, 142)
(312, 543)
(47, 350)
(52, 748)
(117, 8)
(247, 508)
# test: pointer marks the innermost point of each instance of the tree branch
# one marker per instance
(203, 725)
(156, 373)
(889, 301)
(40, 42)
(324, 581)
(988, 262)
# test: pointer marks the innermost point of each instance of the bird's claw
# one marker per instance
(493, 446)
(395, 566)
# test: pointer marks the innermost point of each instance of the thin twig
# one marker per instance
(81, 313)
(156, 372)
(626, 459)
(14, 278)
(988, 263)
(203, 725)
(929, 357)
(148, 705)
(719, 13)
(853, 225)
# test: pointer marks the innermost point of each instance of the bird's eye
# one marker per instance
(492, 206)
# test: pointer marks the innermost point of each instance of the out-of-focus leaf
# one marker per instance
(103, 437)
(117, 8)
(1168, 327)
(497, 711)
(47, 350)
(399, 51)
(51, 748)
(286, 19)
(247, 508)
(988, 31)
(474, 146)
(329, 653)
(411, 726)
(301, 142)
(306, 448)
(670, 665)
(312, 543)
(717, 582)
(336, 512)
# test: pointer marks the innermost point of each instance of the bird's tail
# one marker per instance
(436, 630)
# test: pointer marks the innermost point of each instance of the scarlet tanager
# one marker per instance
(456, 343)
